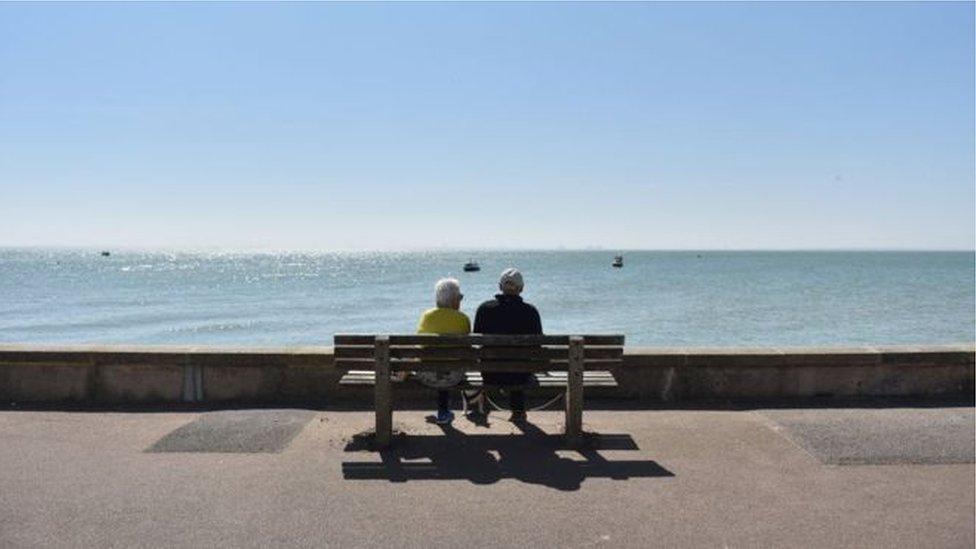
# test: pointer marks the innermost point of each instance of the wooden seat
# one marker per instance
(473, 379)
(555, 361)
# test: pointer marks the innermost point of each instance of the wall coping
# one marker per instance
(300, 349)
(313, 354)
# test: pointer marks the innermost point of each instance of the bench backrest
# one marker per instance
(520, 353)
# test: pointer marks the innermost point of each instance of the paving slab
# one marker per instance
(882, 436)
(236, 431)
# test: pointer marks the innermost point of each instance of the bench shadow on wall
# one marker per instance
(534, 457)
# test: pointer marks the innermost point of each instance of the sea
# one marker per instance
(658, 298)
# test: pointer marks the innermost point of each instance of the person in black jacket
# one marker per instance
(508, 314)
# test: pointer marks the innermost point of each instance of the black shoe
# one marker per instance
(518, 416)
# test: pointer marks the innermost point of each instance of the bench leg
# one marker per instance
(574, 394)
(383, 397)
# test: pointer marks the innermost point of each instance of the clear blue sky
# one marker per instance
(345, 126)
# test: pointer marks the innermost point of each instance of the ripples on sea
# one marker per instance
(658, 298)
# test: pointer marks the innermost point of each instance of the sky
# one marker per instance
(334, 126)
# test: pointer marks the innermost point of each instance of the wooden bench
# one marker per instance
(546, 356)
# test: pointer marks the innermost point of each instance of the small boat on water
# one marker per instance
(471, 267)
(105, 254)
(618, 261)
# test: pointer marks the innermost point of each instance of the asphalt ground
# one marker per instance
(887, 477)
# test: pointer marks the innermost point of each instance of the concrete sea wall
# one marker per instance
(125, 374)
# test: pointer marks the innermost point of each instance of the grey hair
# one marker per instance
(511, 282)
(446, 291)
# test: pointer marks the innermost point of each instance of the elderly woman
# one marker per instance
(444, 319)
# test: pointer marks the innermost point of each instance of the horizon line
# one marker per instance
(306, 249)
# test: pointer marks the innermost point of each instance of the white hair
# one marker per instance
(446, 291)
(511, 282)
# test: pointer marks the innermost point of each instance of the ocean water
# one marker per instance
(658, 298)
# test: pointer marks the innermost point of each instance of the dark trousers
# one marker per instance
(443, 401)
(513, 382)
(516, 400)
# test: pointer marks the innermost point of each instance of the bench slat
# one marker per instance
(476, 374)
(353, 352)
(455, 365)
(548, 352)
(483, 352)
(473, 379)
(452, 365)
(497, 365)
(354, 339)
(506, 340)
(480, 339)
(466, 353)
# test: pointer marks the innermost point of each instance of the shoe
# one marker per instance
(475, 402)
(518, 416)
(444, 417)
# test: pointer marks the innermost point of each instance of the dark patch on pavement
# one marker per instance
(236, 431)
(881, 437)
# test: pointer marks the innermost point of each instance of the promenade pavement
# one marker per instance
(880, 477)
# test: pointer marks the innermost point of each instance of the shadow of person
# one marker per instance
(459, 456)
(532, 456)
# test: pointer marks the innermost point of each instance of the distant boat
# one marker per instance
(618, 261)
(471, 266)
(105, 254)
